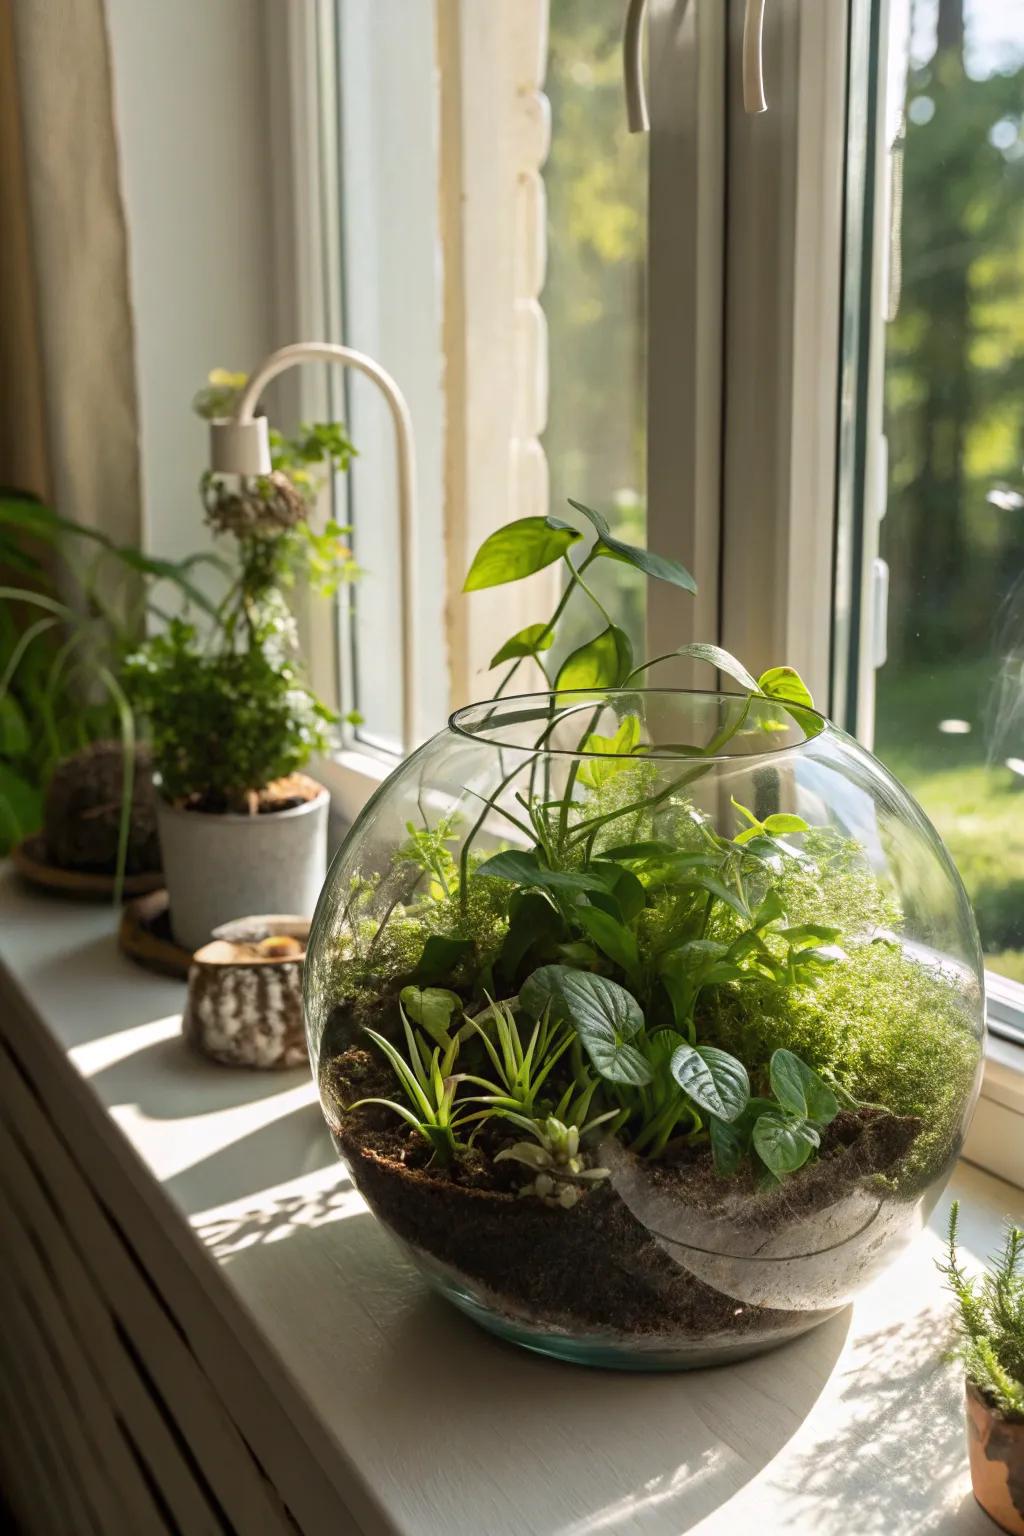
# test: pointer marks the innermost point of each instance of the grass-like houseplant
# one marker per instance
(229, 714)
(990, 1343)
(648, 1020)
(73, 609)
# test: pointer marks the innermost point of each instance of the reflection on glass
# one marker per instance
(596, 180)
(950, 697)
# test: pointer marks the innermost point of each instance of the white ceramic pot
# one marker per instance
(218, 868)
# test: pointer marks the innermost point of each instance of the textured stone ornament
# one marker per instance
(244, 1005)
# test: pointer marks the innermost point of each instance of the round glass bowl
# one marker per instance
(650, 1022)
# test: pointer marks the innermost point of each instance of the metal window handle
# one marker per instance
(753, 58)
(637, 118)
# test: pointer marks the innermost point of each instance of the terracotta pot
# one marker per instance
(996, 1451)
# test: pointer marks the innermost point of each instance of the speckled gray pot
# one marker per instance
(221, 867)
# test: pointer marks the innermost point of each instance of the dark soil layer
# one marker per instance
(601, 1267)
(82, 811)
(279, 795)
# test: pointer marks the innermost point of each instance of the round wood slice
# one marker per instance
(29, 859)
(145, 936)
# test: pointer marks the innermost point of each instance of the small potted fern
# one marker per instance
(230, 716)
(990, 1328)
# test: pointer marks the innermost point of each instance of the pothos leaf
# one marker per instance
(729, 1143)
(527, 642)
(606, 1017)
(786, 684)
(715, 656)
(783, 1143)
(518, 549)
(800, 1090)
(603, 662)
(612, 937)
(440, 955)
(432, 1009)
(525, 868)
(604, 750)
(659, 566)
(714, 1080)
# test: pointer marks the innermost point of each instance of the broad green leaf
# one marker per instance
(783, 1144)
(528, 642)
(770, 910)
(531, 917)
(525, 868)
(799, 1089)
(714, 1080)
(786, 1073)
(785, 684)
(439, 958)
(638, 853)
(719, 891)
(432, 1009)
(602, 662)
(729, 1144)
(606, 1017)
(809, 931)
(519, 549)
(715, 656)
(782, 822)
(629, 895)
(606, 749)
(613, 938)
(658, 566)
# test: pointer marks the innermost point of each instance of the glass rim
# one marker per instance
(579, 698)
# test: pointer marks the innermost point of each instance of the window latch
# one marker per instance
(753, 58)
(637, 117)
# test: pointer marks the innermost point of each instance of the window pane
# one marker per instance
(950, 695)
(596, 181)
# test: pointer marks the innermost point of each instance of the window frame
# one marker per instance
(845, 463)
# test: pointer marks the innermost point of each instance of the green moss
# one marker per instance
(892, 1031)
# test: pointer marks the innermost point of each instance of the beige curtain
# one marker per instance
(68, 407)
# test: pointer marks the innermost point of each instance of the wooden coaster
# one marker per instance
(29, 859)
(145, 937)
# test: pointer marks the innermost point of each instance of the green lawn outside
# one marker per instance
(977, 807)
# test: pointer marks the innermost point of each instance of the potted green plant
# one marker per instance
(648, 1020)
(76, 795)
(990, 1327)
(230, 716)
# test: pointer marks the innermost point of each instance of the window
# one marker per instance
(595, 177)
(785, 349)
(934, 665)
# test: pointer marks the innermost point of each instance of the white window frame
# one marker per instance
(745, 436)
(796, 207)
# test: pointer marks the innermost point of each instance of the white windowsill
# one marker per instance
(384, 1385)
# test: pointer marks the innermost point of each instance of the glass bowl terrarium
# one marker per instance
(648, 1021)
